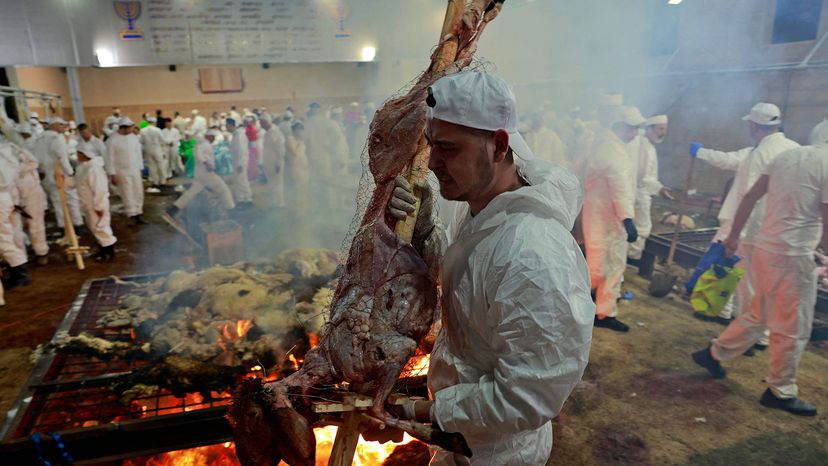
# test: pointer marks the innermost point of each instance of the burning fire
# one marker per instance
(367, 453)
(417, 365)
(242, 326)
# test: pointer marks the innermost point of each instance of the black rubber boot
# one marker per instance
(612, 323)
(138, 220)
(18, 276)
(705, 359)
(105, 254)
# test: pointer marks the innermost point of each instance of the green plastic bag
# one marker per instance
(714, 288)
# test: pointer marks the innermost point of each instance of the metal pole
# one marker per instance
(74, 92)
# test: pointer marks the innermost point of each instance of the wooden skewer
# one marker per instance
(74, 249)
(419, 168)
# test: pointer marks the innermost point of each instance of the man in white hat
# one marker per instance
(609, 208)
(126, 165)
(11, 250)
(51, 151)
(516, 307)
(93, 189)
(31, 198)
(34, 121)
(609, 105)
(764, 124)
(794, 188)
(152, 141)
(273, 159)
(819, 135)
(204, 177)
(199, 124)
(647, 184)
(328, 154)
(239, 150)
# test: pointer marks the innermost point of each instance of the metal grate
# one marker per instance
(74, 391)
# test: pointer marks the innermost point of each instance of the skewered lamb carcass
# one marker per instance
(385, 301)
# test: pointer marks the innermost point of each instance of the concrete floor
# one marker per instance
(642, 401)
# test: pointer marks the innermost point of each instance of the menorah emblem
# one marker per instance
(341, 11)
(129, 12)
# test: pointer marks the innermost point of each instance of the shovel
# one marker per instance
(662, 283)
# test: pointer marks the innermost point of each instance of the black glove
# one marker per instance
(632, 232)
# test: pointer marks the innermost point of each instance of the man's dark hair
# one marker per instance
(82, 126)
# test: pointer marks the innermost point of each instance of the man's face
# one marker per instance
(657, 133)
(462, 160)
(265, 124)
(116, 112)
(86, 134)
(210, 138)
(231, 127)
(625, 132)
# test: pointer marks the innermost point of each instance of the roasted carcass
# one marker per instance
(386, 299)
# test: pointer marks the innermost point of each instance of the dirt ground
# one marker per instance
(642, 401)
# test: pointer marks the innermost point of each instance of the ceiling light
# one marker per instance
(368, 53)
(104, 57)
(674, 2)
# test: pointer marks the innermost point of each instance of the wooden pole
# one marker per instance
(74, 249)
(445, 55)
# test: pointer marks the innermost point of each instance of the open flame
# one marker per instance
(367, 453)
(417, 366)
(242, 327)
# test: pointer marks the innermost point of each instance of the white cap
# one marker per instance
(125, 121)
(72, 124)
(87, 149)
(24, 127)
(336, 110)
(764, 114)
(194, 112)
(478, 100)
(265, 116)
(657, 120)
(152, 120)
(212, 132)
(56, 120)
(33, 115)
(287, 114)
(611, 100)
(630, 116)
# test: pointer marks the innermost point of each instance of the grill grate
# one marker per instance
(53, 408)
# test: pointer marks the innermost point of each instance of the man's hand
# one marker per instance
(632, 231)
(731, 244)
(666, 193)
(694, 148)
(403, 203)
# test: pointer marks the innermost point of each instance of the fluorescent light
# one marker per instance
(674, 2)
(368, 53)
(105, 57)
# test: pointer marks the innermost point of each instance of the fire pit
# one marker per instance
(73, 395)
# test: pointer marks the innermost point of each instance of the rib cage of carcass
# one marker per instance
(386, 299)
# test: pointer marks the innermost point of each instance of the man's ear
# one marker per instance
(501, 142)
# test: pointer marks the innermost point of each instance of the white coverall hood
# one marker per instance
(517, 321)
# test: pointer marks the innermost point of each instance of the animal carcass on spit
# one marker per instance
(386, 299)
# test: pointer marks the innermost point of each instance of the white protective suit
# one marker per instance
(126, 164)
(152, 141)
(31, 197)
(749, 170)
(205, 177)
(172, 142)
(273, 162)
(517, 321)
(199, 126)
(327, 151)
(50, 149)
(93, 188)
(547, 145)
(819, 135)
(782, 268)
(647, 186)
(297, 174)
(239, 146)
(609, 199)
(10, 251)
